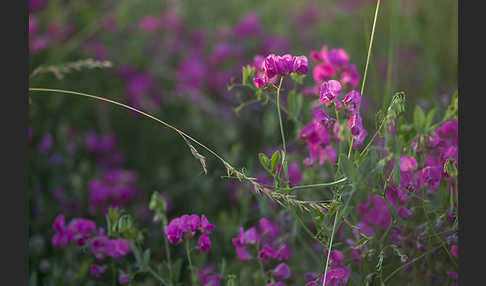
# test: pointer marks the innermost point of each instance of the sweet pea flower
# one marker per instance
(251, 236)
(283, 253)
(266, 253)
(96, 270)
(329, 90)
(336, 276)
(204, 243)
(282, 271)
(242, 254)
(268, 228)
(335, 258)
(206, 227)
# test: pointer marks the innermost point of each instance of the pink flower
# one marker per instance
(251, 236)
(117, 248)
(282, 271)
(97, 270)
(455, 251)
(206, 227)
(260, 82)
(242, 254)
(268, 228)
(204, 243)
(266, 253)
(335, 258)
(174, 231)
(283, 253)
(329, 90)
(337, 276)
(407, 163)
(323, 72)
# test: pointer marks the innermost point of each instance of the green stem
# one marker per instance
(188, 253)
(330, 247)
(167, 249)
(366, 66)
(157, 276)
(408, 263)
(319, 185)
(284, 165)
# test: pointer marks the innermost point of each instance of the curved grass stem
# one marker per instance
(366, 66)
(330, 247)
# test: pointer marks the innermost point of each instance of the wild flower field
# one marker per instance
(230, 142)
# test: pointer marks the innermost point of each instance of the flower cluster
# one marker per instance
(83, 232)
(265, 235)
(186, 226)
(337, 274)
(209, 280)
(272, 66)
(115, 187)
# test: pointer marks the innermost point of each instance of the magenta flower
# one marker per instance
(338, 57)
(97, 270)
(301, 65)
(206, 227)
(260, 82)
(350, 77)
(46, 143)
(204, 243)
(283, 253)
(117, 248)
(329, 91)
(174, 231)
(242, 254)
(251, 236)
(404, 212)
(351, 101)
(335, 258)
(407, 163)
(323, 72)
(375, 214)
(324, 119)
(82, 229)
(266, 253)
(282, 271)
(239, 241)
(268, 228)
(63, 235)
(189, 224)
(337, 276)
(149, 23)
(430, 177)
(455, 251)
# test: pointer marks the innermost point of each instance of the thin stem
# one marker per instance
(157, 276)
(366, 66)
(182, 134)
(281, 128)
(319, 185)
(330, 247)
(188, 253)
(372, 138)
(167, 248)
(408, 263)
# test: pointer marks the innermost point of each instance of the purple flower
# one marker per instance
(430, 177)
(350, 77)
(324, 119)
(268, 228)
(266, 253)
(46, 143)
(260, 82)
(251, 236)
(282, 271)
(407, 163)
(337, 276)
(174, 231)
(249, 26)
(270, 65)
(338, 57)
(117, 248)
(82, 229)
(351, 101)
(124, 278)
(404, 212)
(242, 254)
(189, 224)
(204, 243)
(283, 253)
(323, 72)
(455, 251)
(335, 258)
(329, 91)
(376, 215)
(63, 235)
(149, 23)
(97, 270)
(239, 241)
(301, 65)
(206, 227)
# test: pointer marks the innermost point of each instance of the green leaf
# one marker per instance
(138, 256)
(347, 167)
(430, 118)
(264, 161)
(275, 160)
(146, 258)
(295, 102)
(418, 119)
(176, 270)
(247, 75)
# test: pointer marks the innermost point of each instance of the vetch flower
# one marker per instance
(283, 253)
(282, 271)
(206, 227)
(329, 90)
(266, 253)
(204, 243)
(337, 276)
(97, 270)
